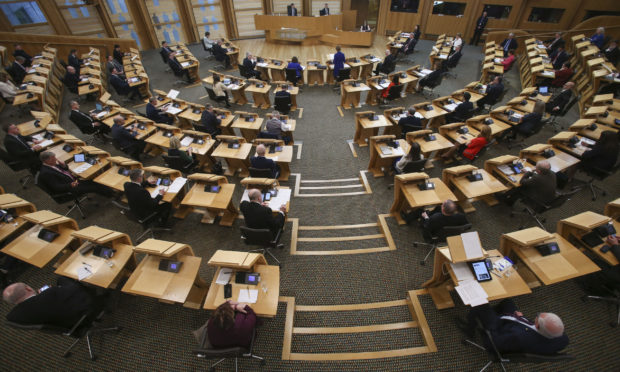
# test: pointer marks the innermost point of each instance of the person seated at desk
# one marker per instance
(156, 114)
(177, 69)
(261, 162)
(8, 90)
(56, 177)
(165, 50)
(74, 61)
(365, 27)
(530, 123)
(603, 154)
(324, 11)
(556, 42)
(338, 61)
(112, 64)
(472, 147)
(207, 42)
(445, 215)
(85, 122)
(598, 38)
(538, 186)
(249, 64)
(209, 122)
(175, 150)
(140, 201)
(220, 54)
(388, 65)
(558, 58)
(259, 215)
(19, 149)
(18, 70)
(220, 90)
(121, 85)
(408, 46)
(457, 42)
(562, 75)
(557, 102)
(409, 123)
(125, 139)
(275, 126)
(20, 52)
(414, 154)
(62, 305)
(118, 54)
(462, 111)
(509, 43)
(72, 79)
(493, 92)
(508, 61)
(453, 59)
(294, 64)
(612, 53)
(232, 325)
(291, 10)
(395, 81)
(512, 332)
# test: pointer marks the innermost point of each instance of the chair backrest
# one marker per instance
(260, 237)
(455, 61)
(282, 104)
(175, 162)
(14, 164)
(242, 70)
(211, 94)
(569, 105)
(447, 231)
(344, 74)
(291, 75)
(260, 173)
(415, 166)
(268, 135)
(58, 198)
(395, 91)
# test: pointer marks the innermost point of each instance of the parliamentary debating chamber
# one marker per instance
(309, 185)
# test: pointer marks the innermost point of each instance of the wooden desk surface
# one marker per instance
(559, 162)
(92, 171)
(253, 88)
(38, 252)
(452, 134)
(242, 153)
(435, 112)
(236, 259)
(284, 156)
(244, 124)
(199, 198)
(367, 123)
(582, 126)
(112, 179)
(492, 166)
(162, 248)
(28, 128)
(440, 143)
(417, 198)
(487, 186)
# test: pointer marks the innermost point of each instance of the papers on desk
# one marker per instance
(386, 150)
(82, 168)
(498, 60)
(588, 141)
(187, 141)
(248, 296)
(173, 110)
(274, 158)
(83, 272)
(346, 66)
(548, 73)
(262, 64)
(504, 168)
(224, 276)
(398, 45)
(384, 85)
(450, 107)
(233, 86)
(517, 115)
(554, 168)
(442, 56)
(83, 80)
(177, 184)
(471, 245)
(134, 80)
(155, 192)
(426, 71)
(398, 151)
(102, 114)
(472, 293)
(185, 64)
(172, 94)
(46, 143)
(283, 197)
(462, 272)
(375, 59)
(418, 115)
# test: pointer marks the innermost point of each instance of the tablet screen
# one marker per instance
(78, 158)
(480, 271)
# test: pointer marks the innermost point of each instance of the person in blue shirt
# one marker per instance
(338, 61)
(598, 38)
(294, 63)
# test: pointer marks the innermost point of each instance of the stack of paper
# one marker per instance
(471, 245)
(472, 293)
(172, 94)
(224, 276)
(398, 151)
(173, 110)
(450, 107)
(82, 168)
(45, 143)
(155, 192)
(83, 272)
(505, 169)
(462, 272)
(187, 141)
(248, 296)
(185, 64)
(177, 184)
(418, 115)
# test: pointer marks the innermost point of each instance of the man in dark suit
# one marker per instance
(612, 53)
(220, 54)
(258, 215)
(140, 201)
(493, 93)
(19, 70)
(113, 64)
(209, 122)
(556, 42)
(71, 80)
(19, 51)
(261, 162)
(324, 11)
(291, 10)
(462, 111)
(118, 55)
(409, 123)
(388, 65)
(156, 114)
(18, 148)
(165, 49)
(62, 305)
(557, 103)
(176, 67)
(512, 332)
(74, 61)
(481, 23)
(121, 86)
(56, 177)
(558, 58)
(125, 139)
(509, 43)
(85, 122)
(539, 185)
(442, 216)
(454, 58)
(249, 64)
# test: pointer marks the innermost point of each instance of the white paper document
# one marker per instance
(82, 168)
(248, 296)
(505, 169)
(450, 107)
(398, 151)
(177, 184)
(472, 293)
(156, 191)
(224, 276)
(187, 141)
(172, 94)
(173, 110)
(185, 64)
(462, 271)
(84, 272)
(46, 143)
(418, 115)
(426, 71)
(471, 245)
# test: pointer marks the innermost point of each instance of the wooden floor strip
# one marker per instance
(340, 111)
(383, 227)
(301, 113)
(338, 227)
(364, 182)
(299, 145)
(352, 147)
(336, 180)
(418, 314)
(341, 238)
(294, 234)
(288, 326)
(334, 194)
(329, 187)
(360, 356)
(356, 329)
(352, 307)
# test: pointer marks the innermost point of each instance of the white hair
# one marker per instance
(602, 29)
(550, 325)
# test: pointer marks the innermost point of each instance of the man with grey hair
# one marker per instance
(85, 122)
(57, 178)
(275, 126)
(19, 70)
(509, 44)
(512, 332)
(140, 201)
(258, 214)
(249, 64)
(125, 138)
(409, 123)
(538, 185)
(261, 162)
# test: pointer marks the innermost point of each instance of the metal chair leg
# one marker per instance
(423, 262)
(68, 350)
(218, 362)
(487, 366)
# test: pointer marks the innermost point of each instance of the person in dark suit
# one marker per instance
(86, 123)
(481, 23)
(408, 46)
(176, 67)
(140, 201)
(409, 123)
(556, 42)
(121, 86)
(559, 101)
(538, 186)
(258, 215)
(442, 216)
(493, 93)
(603, 154)
(19, 70)
(18, 147)
(325, 10)
(165, 49)
(125, 139)
(431, 79)
(71, 80)
(19, 51)
(220, 54)
(454, 58)
(558, 58)
(462, 111)
(156, 114)
(416, 33)
(56, 177)
(209, 122)
(338, 61)
(509, 43)
(118, 55)
(388, 65)
(365, 27)
(113, 64)
(232, 325)
(529, 123)
(291, 10)
(261, 162)
(62, 305)
(612, 53)
(74, 61)
(249, 64)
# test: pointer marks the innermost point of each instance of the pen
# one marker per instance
(86, 263)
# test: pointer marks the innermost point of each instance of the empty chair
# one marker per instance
(553, 120)
(260, 173)
(291, 75)
(213, 97)
(445, 232)
(282, 104)
(16, 165)
(262, 238)
(535, 208)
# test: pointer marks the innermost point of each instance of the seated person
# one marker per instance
(175, 150)
(249, 63)
(259, 215)
(220, 90)
(294, 64)
(18, 70)
(453, 59)
(603, 154)
(85, 122)
(20, 52)
(462, 111)
(113, 64)
(558, 58)
(207, 42)
(562, 75)
(71, 80)
(529, 123)
(557, 102)
(493, 92)
(7, 88)
(395, 81)
(612, 53)
(209, 122)
(409, 123)
(431, 79)
(458, 41)
(140, 201)
(232, 325)
(121, 85)
(118, 54)
(125, 138)
(598, 38)
(508, 61)
(261, 162)
(413, 155)
(156, 114)
(408, 46)
(539, 185)
(365, 27)
(19, 149)
(165, 50)
(512, 332)
(62, 305)
(56, 177)
(472, 147)
(220, 54)
(276, 126)
(177, 69)
(442, 216)
(388, 65)
(554, 43)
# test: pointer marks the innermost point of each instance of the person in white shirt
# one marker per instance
(414, 154)
(7, 88)
(207, 42)
(458, 41)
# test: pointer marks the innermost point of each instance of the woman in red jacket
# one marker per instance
(395, 81)
(470, 149)
(232, 325)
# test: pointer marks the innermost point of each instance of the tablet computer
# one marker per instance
(47, 235)
(481, 271)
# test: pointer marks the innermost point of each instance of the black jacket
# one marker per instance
(409, 124)
(554, 44)
(22, 53)
(209, 122)
(118, 55)
(54, 180)
(438, 220)
(83, 121)
(530, 123)
(560, 100)
(75, 62)
(121, 86)
(539, 186)
(258, 216)
(18, 149)
(512, 44)
(558, 58)
(248, 65)
(219, 52)
(613, 55)
(481, 23)
(140, 201)
(463, 110)
(261, 162)
(122, 136)
(156, 114)
(494, 91)
(600, 157)
(72, 81)
(18, 72)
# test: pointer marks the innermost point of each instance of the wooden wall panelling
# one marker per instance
(5, 25)
(244, 11)
(444, 24)
(83, 20)
(585, 5)
(209, 17)
(494, 23)
(570, 8)
(54, 17)
(334, 6)
(589, 26)
(398, 20)
(142, 23)
(188, 22)
(161, 16)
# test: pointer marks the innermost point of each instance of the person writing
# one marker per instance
(140, 201)
(258, 214)
(232, 325)
(175, 150)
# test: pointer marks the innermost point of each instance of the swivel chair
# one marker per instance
(445, 232)
(263, 238)
(64, 197)
(207, 351)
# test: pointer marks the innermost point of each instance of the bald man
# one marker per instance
(559, 101)
(512, 332)
(62, 305)
(261, 162)
(258, 214)
(447, 214)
